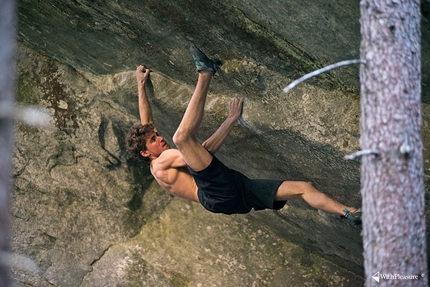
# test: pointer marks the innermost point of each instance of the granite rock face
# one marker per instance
(85, 214)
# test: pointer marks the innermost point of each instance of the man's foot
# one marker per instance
(203, 63)
(354, 217)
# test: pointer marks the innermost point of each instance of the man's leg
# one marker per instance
(304, 190)
(195, 155)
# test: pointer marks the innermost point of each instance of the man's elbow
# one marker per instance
(209, 147)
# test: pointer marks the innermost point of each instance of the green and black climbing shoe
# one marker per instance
(354, 217)
(203, 63)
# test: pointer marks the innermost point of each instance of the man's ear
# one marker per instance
(144, 153)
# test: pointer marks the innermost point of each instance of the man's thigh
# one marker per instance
(195, 155)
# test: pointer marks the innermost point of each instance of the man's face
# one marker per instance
(155, 145)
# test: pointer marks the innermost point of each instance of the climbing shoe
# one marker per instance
(203, 63)
(354, 217)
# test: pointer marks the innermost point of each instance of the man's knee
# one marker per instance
(294, 190)
(178, 138)
(305, 186)
(181, 138)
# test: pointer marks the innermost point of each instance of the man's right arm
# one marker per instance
(213, 143)
(145, 111)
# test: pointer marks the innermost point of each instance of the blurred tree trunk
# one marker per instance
(394, 235)
(7, 46)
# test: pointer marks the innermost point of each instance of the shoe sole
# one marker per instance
(202, 62)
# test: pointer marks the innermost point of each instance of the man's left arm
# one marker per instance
(145, 111)
(213, 143)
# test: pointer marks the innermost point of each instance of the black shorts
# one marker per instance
(224, 190)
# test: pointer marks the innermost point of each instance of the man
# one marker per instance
(193, 172)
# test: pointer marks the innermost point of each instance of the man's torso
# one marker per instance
(177, 181)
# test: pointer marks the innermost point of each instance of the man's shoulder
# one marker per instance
(170, 153)
(165, 158)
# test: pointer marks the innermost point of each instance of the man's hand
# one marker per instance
(236, 106)
(142, 74)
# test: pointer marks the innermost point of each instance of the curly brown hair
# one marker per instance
(136, 139)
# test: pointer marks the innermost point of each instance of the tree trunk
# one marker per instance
(394, 235)
(7, 45)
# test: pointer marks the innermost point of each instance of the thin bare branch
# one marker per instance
(361, 153)
(320, 71)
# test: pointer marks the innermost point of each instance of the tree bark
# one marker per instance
(7, 45)
(394, 235)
